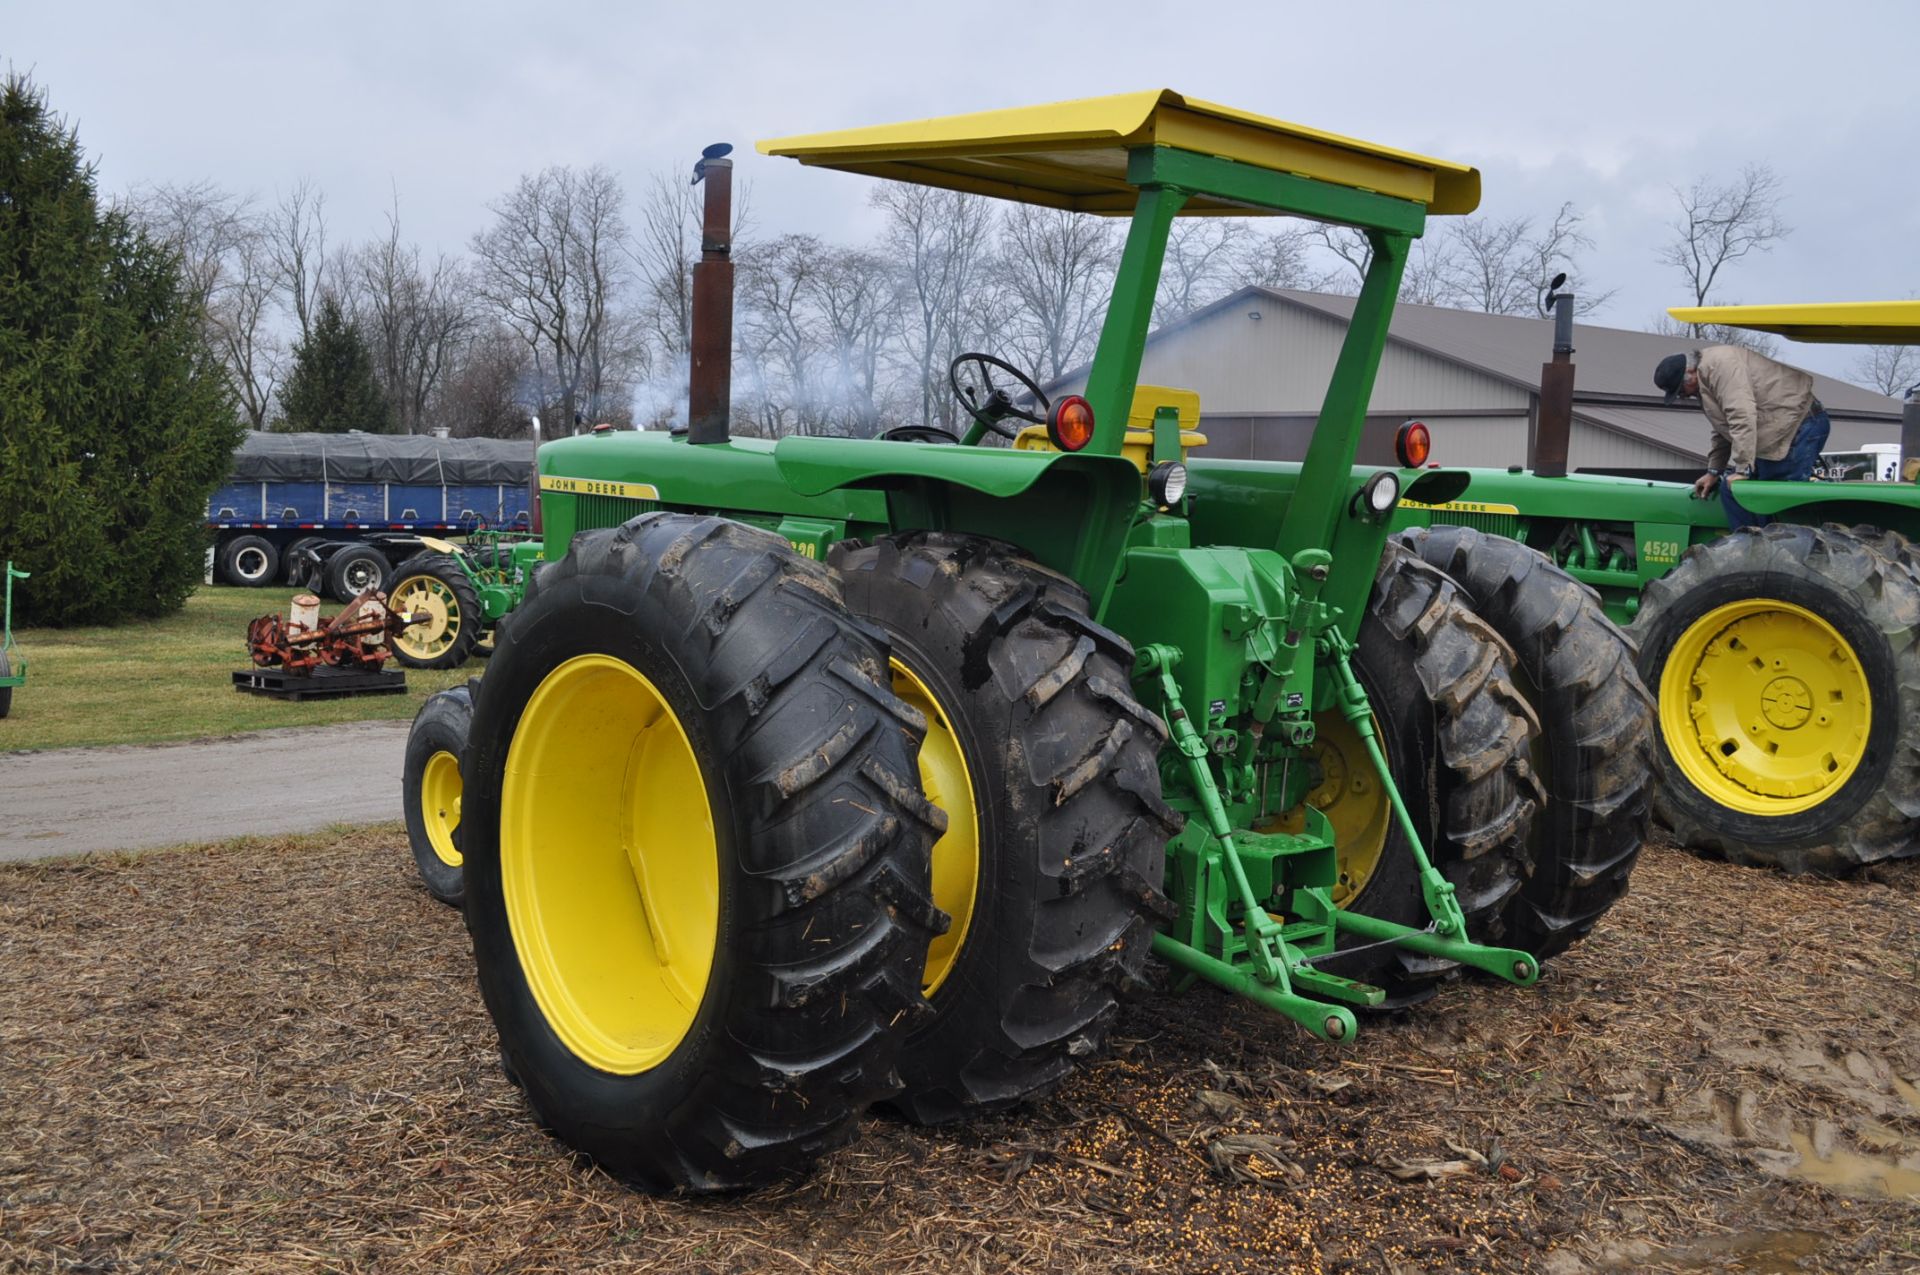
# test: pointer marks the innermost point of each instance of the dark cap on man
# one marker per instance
(1669, 375)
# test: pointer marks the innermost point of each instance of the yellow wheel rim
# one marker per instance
(440, 805)
(430, 594)
(956, 856)
(609, 864)
(1352, 798)
(1765, 707)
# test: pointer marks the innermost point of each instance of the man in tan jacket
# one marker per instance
(1766, 421)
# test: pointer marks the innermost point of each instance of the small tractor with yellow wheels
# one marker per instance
(458, 594)
(1785, 658)
(821, 772)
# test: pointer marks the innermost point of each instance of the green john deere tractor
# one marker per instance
(1786, 659)
(463, 590)
(826, 771)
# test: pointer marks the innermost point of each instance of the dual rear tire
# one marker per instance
(1047, 769)
(696, 855)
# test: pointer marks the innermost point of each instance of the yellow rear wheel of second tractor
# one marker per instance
(1786, 660)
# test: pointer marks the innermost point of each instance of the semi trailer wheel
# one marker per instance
(251, 561)
(434, 584)
(354, 570)
(1786, 665)
(1056, 835)
(696, 855)
(293, 564)
(430, 790)
(1457, 735)
(1594, 753)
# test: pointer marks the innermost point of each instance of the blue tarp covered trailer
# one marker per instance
(289, 488)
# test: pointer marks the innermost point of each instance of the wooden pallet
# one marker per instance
(322, 683)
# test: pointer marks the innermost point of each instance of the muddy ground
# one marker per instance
(271, 1056)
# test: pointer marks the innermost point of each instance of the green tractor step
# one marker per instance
(821, 772)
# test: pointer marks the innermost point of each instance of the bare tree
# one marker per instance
(1718, 225)
(413, 315)
(1278, 258)
(1058, 265)
(940, 240)
(663, 250)
(201, 222)
(858, 307)
(1426, 279)
(553, 266)
(221, 242)
(1202, 264)
(481, 395)
(777, 338)
(1500, 267)
(1350, 251)
(1702, 334)
(1891, 369)
(296, 233)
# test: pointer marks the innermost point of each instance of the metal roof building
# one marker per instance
(1261, 359)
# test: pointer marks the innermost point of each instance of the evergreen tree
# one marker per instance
(116, 422)
(332, 388)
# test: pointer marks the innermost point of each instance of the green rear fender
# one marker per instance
(1070, 511)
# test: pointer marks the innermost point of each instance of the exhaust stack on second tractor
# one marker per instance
(1555, 422)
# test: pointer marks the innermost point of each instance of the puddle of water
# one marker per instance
(1846, 1170)
(1755, 1252)
(1910, 1092)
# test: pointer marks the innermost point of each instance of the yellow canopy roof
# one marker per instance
(1843, 322)
(1074, 154)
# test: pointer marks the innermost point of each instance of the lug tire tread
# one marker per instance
(1045, 682)
(823, 978)
(1597, 721)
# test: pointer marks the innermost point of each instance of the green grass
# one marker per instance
(155, 680)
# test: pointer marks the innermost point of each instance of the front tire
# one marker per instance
(1595, 748)
(430, 790)
(434, 583)
(1786, 665)
(696, 855)
(1056, 842)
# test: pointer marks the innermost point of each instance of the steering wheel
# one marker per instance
(917, 434)
(971, 378)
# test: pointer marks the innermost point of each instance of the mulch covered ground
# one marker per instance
(272, 1056)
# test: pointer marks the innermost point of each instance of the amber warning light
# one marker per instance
(1413, 444)
(1070, 423)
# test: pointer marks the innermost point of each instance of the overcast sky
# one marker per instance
(1609, 105)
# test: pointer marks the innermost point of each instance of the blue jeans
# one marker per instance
(1795, 467)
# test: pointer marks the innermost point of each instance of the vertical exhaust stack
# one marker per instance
(1554, 423)
(710, 371)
